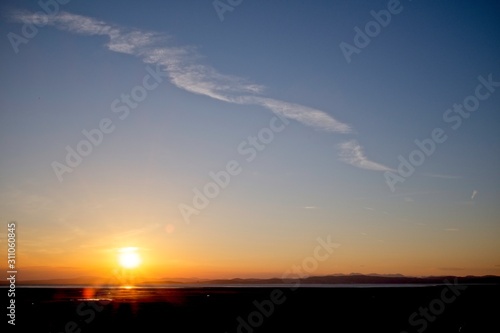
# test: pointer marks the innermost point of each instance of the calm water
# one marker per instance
(166, 293)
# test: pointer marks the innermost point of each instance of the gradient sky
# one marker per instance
(343, 126)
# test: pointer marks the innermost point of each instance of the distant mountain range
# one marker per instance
(354, 278)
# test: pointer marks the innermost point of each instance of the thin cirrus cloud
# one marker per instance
(303, 114)
(474, 193)
(186, 73)
(352, 153)
(182, 68)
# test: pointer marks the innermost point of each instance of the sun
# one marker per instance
(129, 258)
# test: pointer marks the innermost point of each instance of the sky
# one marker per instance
(222, 139)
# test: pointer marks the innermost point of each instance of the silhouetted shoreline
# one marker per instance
(351, 279)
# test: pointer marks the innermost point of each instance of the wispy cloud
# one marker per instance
(306, 115)
(352, 153)
(183, 68)
(310, 207)
(451, 229)
(474, 193)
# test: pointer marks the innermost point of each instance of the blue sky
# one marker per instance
(343, 127)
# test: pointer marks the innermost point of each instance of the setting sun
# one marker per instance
(129, 258)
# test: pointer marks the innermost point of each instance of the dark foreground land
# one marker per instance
(256, 309)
